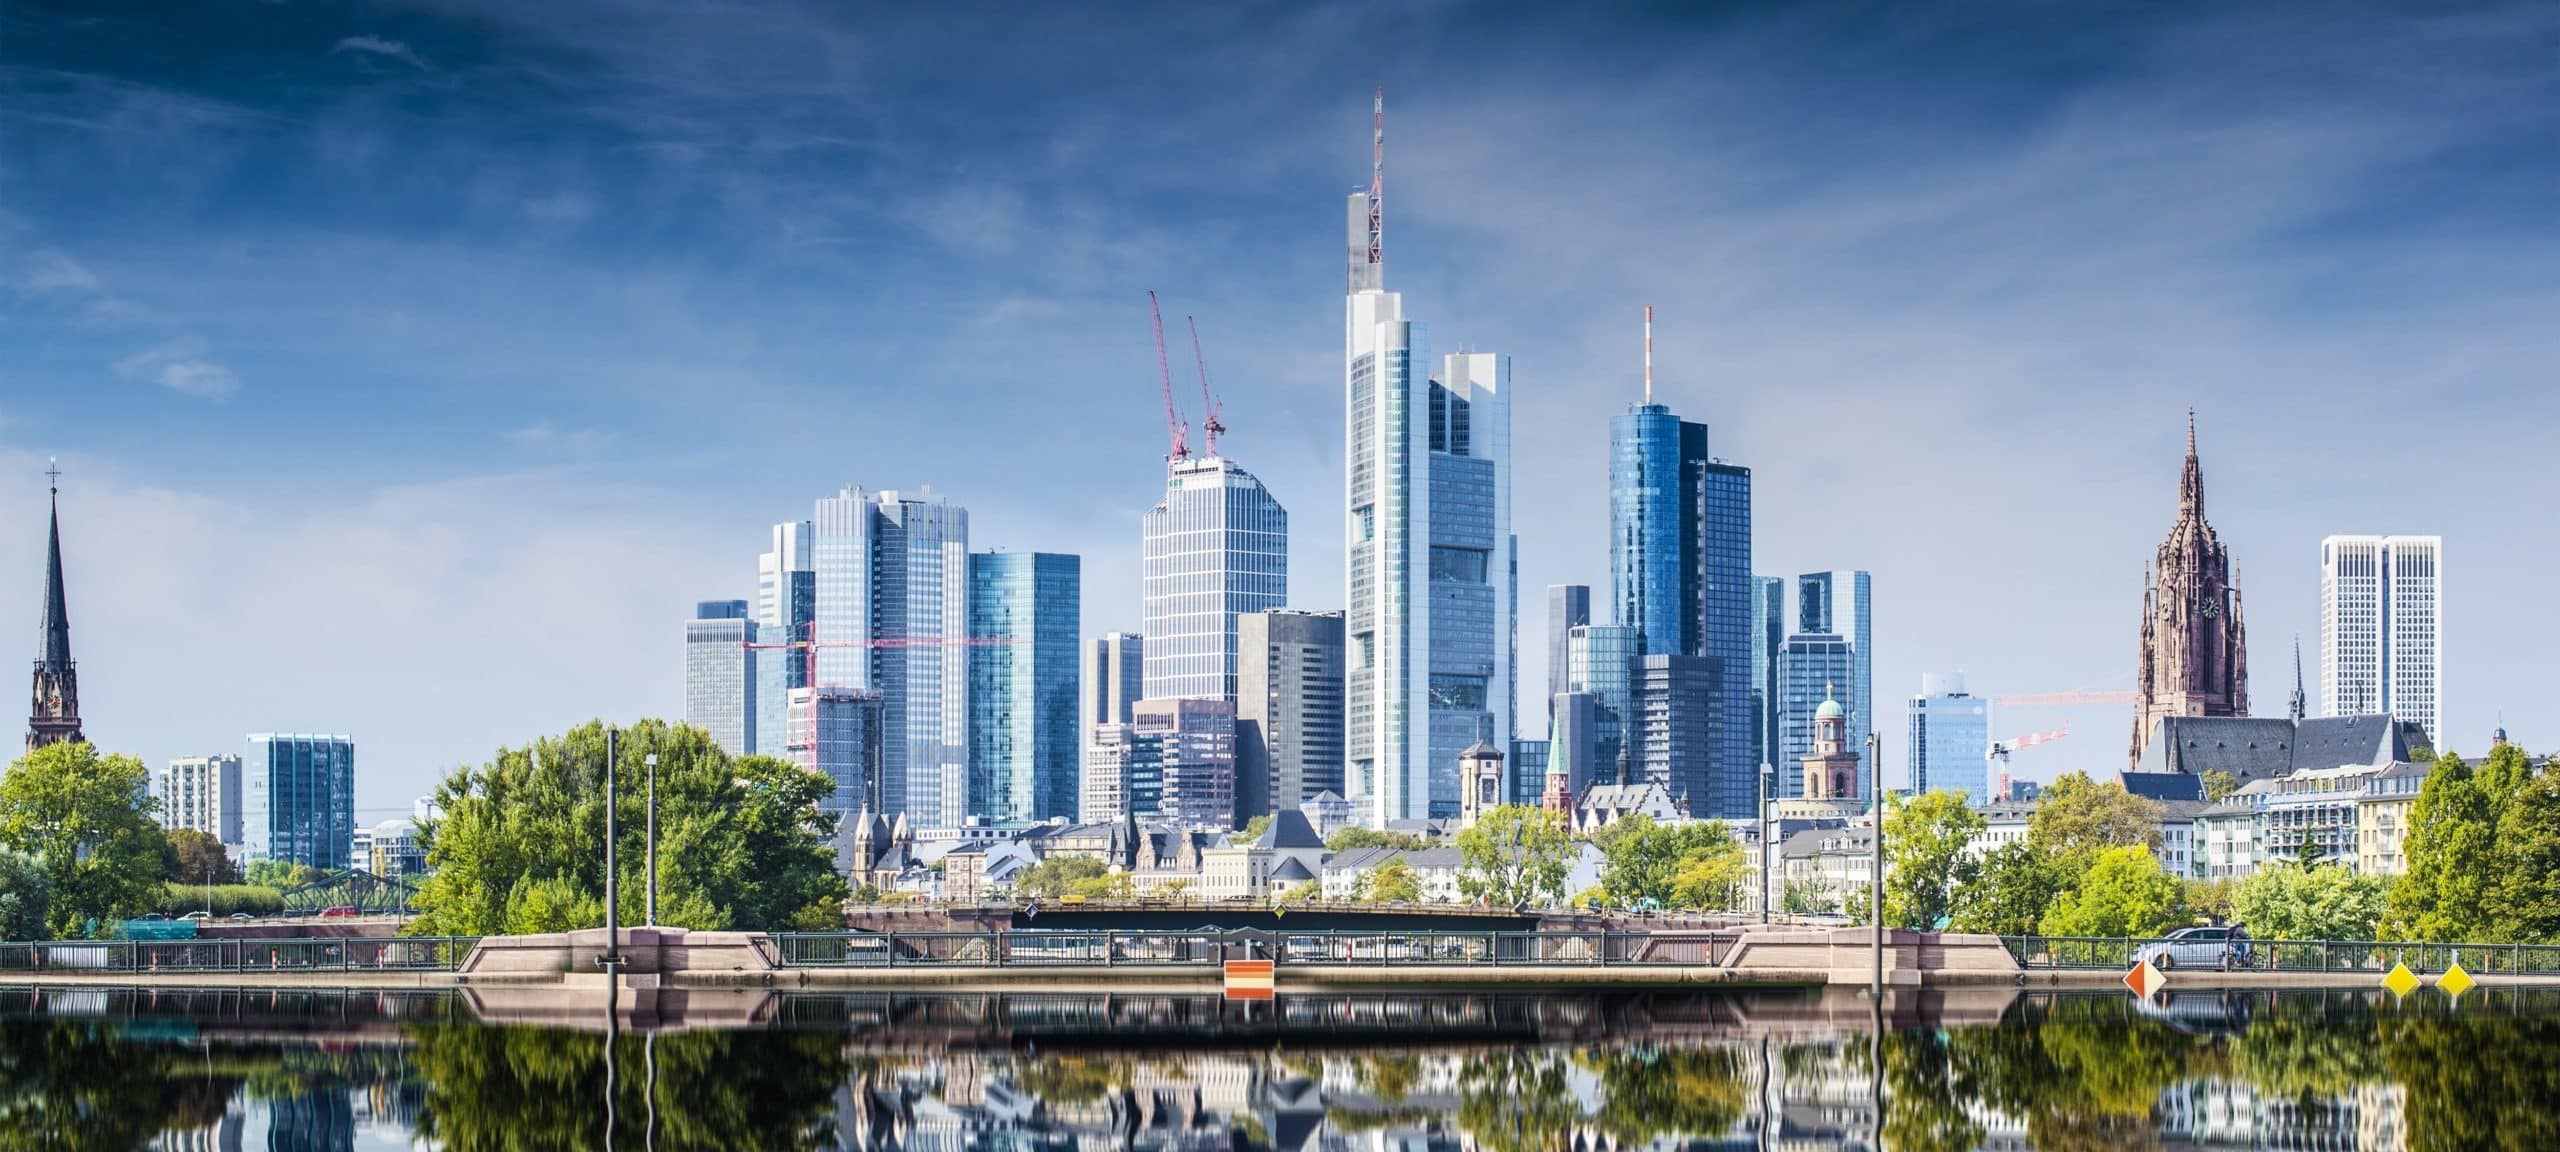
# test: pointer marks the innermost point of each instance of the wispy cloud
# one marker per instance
(181, 368)
(379, 47)
(51, 272)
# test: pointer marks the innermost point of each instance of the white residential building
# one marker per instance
(2381, 646)
(203, 793)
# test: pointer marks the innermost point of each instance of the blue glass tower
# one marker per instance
(301, 798)
(1654, 526)
(1023, 743)
(1727, 637)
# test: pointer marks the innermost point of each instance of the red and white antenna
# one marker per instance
(1648, 353)
(1178, 433)
(1378, 177)
(1209, 425)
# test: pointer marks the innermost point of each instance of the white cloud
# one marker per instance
(181, 368)
(377, 46)
(50, 272)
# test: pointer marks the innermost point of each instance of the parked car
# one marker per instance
(2207, 946)
(197, 916)
(340, 911)
(242, 916)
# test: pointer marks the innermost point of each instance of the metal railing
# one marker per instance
(2347, 956)
(319, 954)
(1026, 948)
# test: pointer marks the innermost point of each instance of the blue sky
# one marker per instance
(415, 367)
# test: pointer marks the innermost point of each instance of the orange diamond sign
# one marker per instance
(2146, 980)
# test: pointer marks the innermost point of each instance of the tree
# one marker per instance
(2018, 882)
(2451, 887)
(88, 817)
(196, 857)
(2528, 861)
(1809, 896)
(2218, 784)
(1515, 855)
(1928, 843)
(2317, 902)
(1394, 882)
(1711, 875)
(518, 842)
(280, 874)
(1354, 836)
(25, 897)
(1643, 860)
(1059, 877)
(1253, 829)
(2124, 893)
(2079, 816)
(1177, 891)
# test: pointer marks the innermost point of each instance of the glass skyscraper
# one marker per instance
(1654, 526)
(301, 804)
(1814, 667)
(1601, 663)
(786, 605)
(1950, 739)
(1727, 638)
(1023, 739)
(836, 732)
(1768, 638)
(1568, 608)
(1288, 710)
(1216, 546)
(720, 684)
(891, 597)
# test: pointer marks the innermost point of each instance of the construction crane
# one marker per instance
(2063, 699)
(2000, 750)
(1175, 430)
(1209, 425)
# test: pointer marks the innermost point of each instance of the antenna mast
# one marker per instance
(1648, 353)
(1378, 176)
(1177, 433)
(1209, 426)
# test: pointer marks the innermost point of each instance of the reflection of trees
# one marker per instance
(1650, 1092)
(1390, 1078)
(514, 1089)
(76, 1085)
(2309, 1049)
(1924, 1108)
(1069, 1080)
(1518, 1101)
(2082, 1071)
(2476, 1079)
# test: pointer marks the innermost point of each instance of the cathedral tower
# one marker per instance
(2195, 650)
(54, 716)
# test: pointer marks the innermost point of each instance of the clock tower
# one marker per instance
(2195, 650)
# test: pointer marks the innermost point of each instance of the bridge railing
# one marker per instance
(2344, 956)
(321, 954)
(1025, 948)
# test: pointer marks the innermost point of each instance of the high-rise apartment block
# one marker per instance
(1432, 579)
(299, 799)
(720, 689)
(2381, 650)
(1025, 611)
(1288, 709)
(203, 793)
(1950, 739)
(891, 598)
(1216, 547)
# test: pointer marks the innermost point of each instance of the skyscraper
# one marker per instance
(720, 689)
(786, 607)
(1727, 640)
(1568, 608)
(837, 733)
(2380, 647)
(1431, 625)
(1023, 738)
(2195, 650)
(891, 588)
(1111, 679)
(1288, 709)
(53, 716)
(1839, 603)
(1950, 738)
(1812, 668)
(203, 793)
(1670, 736)
(301, 799)
(1601, 663)
(1768, 638)
(1191, 745)
(1655, 524)
(1216, 546)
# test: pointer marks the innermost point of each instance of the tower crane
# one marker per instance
(1209, 425)
(1178, 433)
(1999, 754)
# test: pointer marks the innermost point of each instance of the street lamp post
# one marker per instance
(1875, 861)
(612, 831)
(653, 841)
(1768, 784)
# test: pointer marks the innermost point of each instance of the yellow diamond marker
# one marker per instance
(2455, 981)
(2401, 981)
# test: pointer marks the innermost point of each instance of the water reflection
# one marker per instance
(1493, 1072)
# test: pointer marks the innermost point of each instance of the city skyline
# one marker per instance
(504, 526)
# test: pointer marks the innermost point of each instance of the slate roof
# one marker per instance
(2163, 786)
(1355, 859)
(2253, 748)
(1289, 829)
(1292, 871)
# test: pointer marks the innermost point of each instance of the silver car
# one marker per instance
(2202, 947)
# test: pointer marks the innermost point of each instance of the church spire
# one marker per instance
(53, 715)
(2301, 703)
(2191, 482)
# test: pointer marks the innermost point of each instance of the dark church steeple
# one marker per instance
(2195, 649)
(54, 716)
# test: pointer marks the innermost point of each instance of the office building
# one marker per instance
(1431, 625)
(1288, 709)
(1528, 770)
(1671, 736)
(203, 793)
(1111, 678)
(1768, 639)
(1812, 669)
(1575, 748)
(2380, 648)
(719, 674)
(1193, 746)
(786, 611)
(2195, 649)
(1600, 661)
(1950, 739)
(842, 734)
(1217, 546)
(1568, 608)
(1727, 641)
(891, 591)
(1025, 608)
(393, 850)
(1839, 604)
(299, 799)
(1122, 776)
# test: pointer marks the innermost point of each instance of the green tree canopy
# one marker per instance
(2018, 881)
(2320, 902)
(2528, 857)
(1354, 836)
(1928, 857)
(2451, 889)
(197, 857)
(87, 817)
(1394, 882)
(1253, 829)
(1515, 855)
(1078, 875)
(518, 844)
(1644, 861)
(2079, 816)
(2124, 893)
(2218, 784)
(25, 897)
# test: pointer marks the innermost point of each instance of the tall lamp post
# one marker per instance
(1875, 861)
(1768, 834)
(652, 841)
(612, 831)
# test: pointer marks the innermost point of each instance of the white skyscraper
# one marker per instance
(2381, 646)
(891, 600)
(1432, 581)
(1217, 546)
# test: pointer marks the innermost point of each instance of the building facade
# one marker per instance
(1727, 639)
(1431, 575)
(891, 591)
(1812, 668)
(1841, 604)
(719, 674)
(1601, 663)
(1568, 608)
(1191, 742)
(299, 799)
(1654, 526)
(2195, 649)
(1768, 640)
(203, 793)
(1025, 618)
(2380, 647)
(1216, 547)
(1950, 739)
(839, 733)
(1289, 683)
(786, 612)
(1672, 736)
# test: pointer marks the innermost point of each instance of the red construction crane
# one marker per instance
(1209, 425)
(2000, 750)
(1175, 430)
(2063, 699)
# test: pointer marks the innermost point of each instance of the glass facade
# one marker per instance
(1727, 639)
(891, 598)
(1023, 740)
(1838, 604)
(837, 733)
(1528, 771)
(1190, 745)
(1216, 546)
(720, 684)
(1654, 458)
(1601, 663)
(1568, 608)
(301, 806)
(1950, 739)
(1813, 667)
(1768, 638)
(1288, 710)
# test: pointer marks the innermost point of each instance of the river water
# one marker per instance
(2346, 1070)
